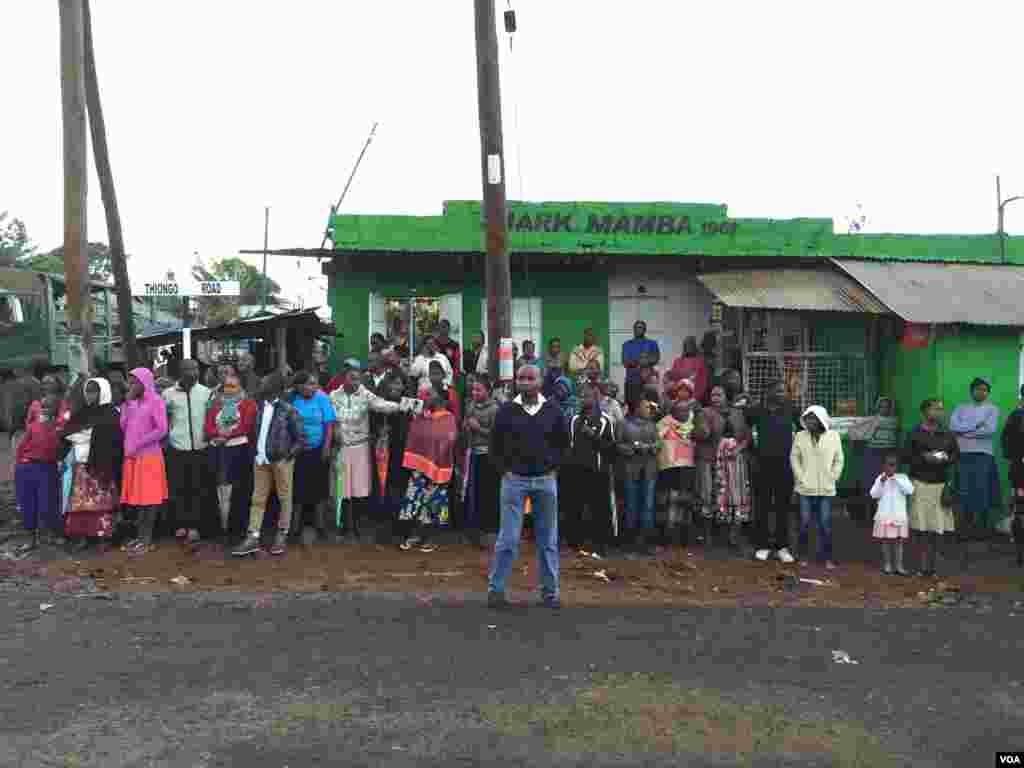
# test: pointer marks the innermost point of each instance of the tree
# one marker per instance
(53, 262)
(251, 281)
(14, 242)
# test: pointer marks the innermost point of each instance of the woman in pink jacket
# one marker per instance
(144, 483)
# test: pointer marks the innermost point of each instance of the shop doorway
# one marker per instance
(406, 320)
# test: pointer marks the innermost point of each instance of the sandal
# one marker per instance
(138, 548)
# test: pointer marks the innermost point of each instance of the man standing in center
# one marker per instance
(528, 441)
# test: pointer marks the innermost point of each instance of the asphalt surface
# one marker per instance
(276, 680)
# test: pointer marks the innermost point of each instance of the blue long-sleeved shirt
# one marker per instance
(975, 426)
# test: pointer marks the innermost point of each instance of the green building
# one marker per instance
(840, 317)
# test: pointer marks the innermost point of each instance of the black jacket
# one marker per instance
(1013, 436)
(592, 452)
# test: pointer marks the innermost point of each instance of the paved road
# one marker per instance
(210, 680)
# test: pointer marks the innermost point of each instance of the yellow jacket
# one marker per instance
(817, 465)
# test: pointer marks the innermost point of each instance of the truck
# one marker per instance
(34, 329)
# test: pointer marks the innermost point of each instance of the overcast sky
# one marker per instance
(216, 109)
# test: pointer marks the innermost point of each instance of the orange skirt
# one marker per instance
(144, 483)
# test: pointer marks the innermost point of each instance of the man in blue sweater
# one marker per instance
(527, 443)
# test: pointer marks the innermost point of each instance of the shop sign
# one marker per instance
(609, 224)
(916, 336)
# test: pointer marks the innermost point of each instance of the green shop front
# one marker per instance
(840, 318)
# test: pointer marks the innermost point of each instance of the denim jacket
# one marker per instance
(287, 438)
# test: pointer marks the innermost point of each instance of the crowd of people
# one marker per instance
(406, 445)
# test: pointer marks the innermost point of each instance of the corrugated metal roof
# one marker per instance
(237, 328)
(975, 294)
(822, 290)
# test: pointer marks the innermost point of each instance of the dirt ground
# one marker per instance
(675, 577)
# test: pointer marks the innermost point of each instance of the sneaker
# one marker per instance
(785, 556)
(411, 543)
(249, 546)
(280, 543)
(428, 548)
(763, 555)
(496, 600)
(552, 603)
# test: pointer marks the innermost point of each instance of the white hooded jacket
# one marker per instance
(817, 464)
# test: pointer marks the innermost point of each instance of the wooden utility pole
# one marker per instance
(118, 262)
(76, 265)
(497, 273)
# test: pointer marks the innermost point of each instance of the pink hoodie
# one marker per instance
(143, 421)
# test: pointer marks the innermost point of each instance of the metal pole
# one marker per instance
(999, 222)
(266, 235)
(348, 183)
(497, 271)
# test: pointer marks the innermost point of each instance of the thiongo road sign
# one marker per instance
(210, 288)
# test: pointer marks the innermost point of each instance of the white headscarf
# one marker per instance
(106, 395)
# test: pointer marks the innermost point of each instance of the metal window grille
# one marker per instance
(811, 378)
(783, 347)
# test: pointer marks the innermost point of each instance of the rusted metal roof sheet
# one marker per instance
(820, 290)
(974, 294)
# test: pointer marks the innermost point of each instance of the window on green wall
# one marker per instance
(526, 322)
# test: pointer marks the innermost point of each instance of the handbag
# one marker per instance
(950, 490)
(948, 495)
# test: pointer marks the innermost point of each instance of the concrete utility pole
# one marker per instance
(118, 263)
(76, 266)
(497, 273)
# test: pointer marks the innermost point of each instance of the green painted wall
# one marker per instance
(651, 229)
(570, 302)
(946, 368)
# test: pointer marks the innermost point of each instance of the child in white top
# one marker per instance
(891, 524)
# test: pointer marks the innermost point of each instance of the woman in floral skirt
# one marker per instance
(429, 454)
(96, 445)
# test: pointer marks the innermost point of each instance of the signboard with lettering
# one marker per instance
(644, 229)
(209, 288)
(615, 224)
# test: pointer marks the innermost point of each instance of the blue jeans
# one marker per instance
(639, 504)
(821, 508)
(543, 491)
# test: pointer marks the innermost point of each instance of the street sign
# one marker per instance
(209, 288)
